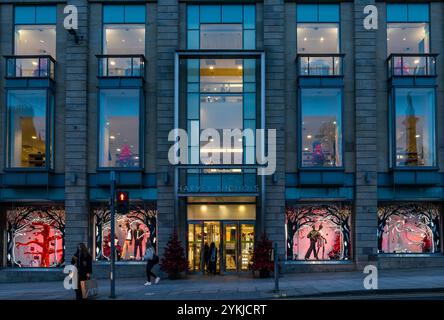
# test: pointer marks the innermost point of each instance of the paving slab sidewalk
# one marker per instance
(231, 287)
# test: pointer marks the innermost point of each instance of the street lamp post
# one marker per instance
(113, 246)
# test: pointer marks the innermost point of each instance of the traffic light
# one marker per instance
(122, 202)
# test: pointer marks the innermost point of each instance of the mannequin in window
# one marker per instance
(128, 241)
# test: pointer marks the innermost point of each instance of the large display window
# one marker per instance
(35, 236)
(318, 232)
(133, 230)
(409, 228)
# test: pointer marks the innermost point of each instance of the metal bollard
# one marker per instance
(276, 268)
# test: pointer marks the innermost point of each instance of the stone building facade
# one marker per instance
(357, 113)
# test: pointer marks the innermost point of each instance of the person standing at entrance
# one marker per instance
(128, 241)
(213, 258)
(206, 258)
(138, 239)
(152, 259)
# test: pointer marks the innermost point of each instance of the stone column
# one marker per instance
(274, 46)
(167, 43)
(365, 220)
(76, 119)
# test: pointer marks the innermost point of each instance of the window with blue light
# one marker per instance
(321, 135)
(123, 14)
(414, 126)
(317, 13)
(408, 28)
(35, 15)
(123, 34)
(221, 27)
(119, 124)
(35, 33)
(30, 134)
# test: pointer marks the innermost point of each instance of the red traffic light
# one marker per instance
(122, 196)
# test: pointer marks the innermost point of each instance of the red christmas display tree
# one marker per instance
(335, 252)
(125, 154)
(262, 257)
(173, 261)
(47, 243)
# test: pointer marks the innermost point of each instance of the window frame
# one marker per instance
(14, 26)
(104, 24)
(245, 119)
(393, 129)
(140, 135)
(320, 23)
(49, 132)
(408, 21)
(299, 139)
(243, 5)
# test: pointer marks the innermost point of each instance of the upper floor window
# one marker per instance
(30, 132)
(408, 28)
(123, 34)
(321, 136)
(221, 27)
(119, 134)
(123, 29)
(414, 126)
(318, 28)
(34, 35)
(222, 96)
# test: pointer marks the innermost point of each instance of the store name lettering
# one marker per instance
(224, 188)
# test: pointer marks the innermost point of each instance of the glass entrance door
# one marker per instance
(211, 234)
(234, 241)
(230, 246)
(195, 246)
(247, 245)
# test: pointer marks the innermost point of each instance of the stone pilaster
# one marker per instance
(167, 43)
(76, 120)
(274, 46)
(365, 219)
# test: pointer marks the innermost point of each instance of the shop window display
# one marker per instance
(35, 236)
(318, 232)
(409, 228)
(133, 230)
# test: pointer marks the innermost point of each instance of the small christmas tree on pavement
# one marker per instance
(174, 261)
(262, 257)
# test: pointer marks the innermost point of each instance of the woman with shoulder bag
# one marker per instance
(83, 261)
(152, 259)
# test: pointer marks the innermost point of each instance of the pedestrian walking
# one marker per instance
(82, 259)
(152, 259)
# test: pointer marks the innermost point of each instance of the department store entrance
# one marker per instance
(231, 227)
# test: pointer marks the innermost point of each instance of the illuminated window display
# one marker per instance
(132, 232)
(318, 232)
(409, 228)
(35, 236)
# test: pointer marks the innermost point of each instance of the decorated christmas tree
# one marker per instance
(173, 261)
(335, 253)
(262, 257)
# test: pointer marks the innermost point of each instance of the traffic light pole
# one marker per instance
(113, 232)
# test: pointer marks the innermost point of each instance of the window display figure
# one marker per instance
(138, 236)
(321, 242)
(107, 247)
(206, 258)
(213, 258)
(128, 241)
(314, 235)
